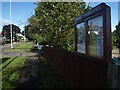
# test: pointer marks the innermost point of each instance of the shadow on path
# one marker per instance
(38, 73)
(30, 76)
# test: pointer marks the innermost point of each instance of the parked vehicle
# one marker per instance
(116, 60)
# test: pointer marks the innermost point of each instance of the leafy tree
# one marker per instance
(116, 37)
(54, 21)
(6, 31)
(113, 39)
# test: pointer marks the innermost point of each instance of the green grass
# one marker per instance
(4, 59)
(10, 66)
(51, 79)
(10, 73)
(10, 59)
(0, 61)
(26, 46)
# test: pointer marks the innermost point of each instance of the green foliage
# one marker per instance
(116, 37)
(61, 0)
(6, 30)
(10, 73)
(54, 21)
(7, 41)
(18, 38)
(26, 46)
(6, 62)
(113, 40)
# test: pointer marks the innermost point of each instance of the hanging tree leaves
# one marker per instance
(116, 36)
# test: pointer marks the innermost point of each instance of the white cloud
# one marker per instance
(59, 0)
(20, 0)
(4, 21)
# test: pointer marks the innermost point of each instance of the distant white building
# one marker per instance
(19, 34)
(22, 36)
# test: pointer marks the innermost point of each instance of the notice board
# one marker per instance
(93, 33)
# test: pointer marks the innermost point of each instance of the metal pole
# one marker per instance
(118, 11)
(11, 25)
(24, 32)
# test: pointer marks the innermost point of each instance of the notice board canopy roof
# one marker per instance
(91, 12)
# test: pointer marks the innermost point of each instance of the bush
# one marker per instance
(8, 41)
(43, 43)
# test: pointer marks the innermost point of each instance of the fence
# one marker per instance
(77, 71)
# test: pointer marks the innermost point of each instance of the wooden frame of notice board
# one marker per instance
(93, 33)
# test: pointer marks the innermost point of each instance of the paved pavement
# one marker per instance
(7, 46)
(30, 76)
(9, 54)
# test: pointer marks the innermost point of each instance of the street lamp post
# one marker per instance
(11, 25)
(24, 33)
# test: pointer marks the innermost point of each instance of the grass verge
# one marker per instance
(26, 46)
(10, 59)
(10, 73)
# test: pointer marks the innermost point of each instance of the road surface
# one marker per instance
(7, 54)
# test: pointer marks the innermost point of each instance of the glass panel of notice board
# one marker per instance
(95, 37)
(81, 38)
